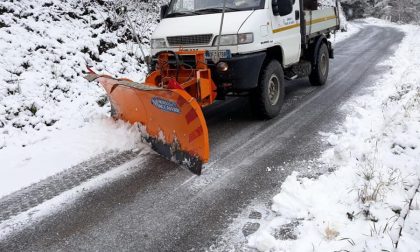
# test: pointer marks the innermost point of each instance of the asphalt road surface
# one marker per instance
(162, 207)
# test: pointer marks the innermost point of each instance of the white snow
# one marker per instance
(51, 118)
(351, 29)
(362, 205)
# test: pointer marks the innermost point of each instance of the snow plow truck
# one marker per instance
(205, 50)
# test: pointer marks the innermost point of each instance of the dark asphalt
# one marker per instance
(162, 207)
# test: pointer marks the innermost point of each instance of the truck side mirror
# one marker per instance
(282, 7)
(163, 10)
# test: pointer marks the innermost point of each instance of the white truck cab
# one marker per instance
(262, 42)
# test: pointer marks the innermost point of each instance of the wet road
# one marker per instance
(162, 207)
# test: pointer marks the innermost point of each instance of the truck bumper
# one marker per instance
(243, 71)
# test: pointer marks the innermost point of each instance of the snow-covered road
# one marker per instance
(157, 206)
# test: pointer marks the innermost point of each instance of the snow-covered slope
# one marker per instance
(45, 46)
(47, 110)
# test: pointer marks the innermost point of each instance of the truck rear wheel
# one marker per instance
(319, 74)
(267, 98)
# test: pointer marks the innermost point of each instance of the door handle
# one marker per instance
(297, 15)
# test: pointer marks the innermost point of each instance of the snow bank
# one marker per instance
(362, 205)
(351, 29)
(50, 117)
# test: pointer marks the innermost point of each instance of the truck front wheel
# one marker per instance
(267, 98)
(319, 74)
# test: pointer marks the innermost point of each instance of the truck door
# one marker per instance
(286, 31)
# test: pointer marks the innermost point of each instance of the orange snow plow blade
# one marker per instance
(174, 121)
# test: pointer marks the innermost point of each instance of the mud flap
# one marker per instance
(174, 121)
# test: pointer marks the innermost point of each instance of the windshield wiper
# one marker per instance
(215, 10)
(201, 11)
(180, 14)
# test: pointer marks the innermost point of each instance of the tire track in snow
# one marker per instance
(36, 194)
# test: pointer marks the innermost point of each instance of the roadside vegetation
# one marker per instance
(398, 11)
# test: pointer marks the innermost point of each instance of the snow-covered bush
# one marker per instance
(400, 11)
(44, 48)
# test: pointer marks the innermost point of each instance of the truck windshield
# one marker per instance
(198, 7)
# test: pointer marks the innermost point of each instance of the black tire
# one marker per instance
(267, 99)
(320, 70)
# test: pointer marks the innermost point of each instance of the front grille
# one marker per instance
(203, 39)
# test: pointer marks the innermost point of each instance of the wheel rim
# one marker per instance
(323, 64)
(274, 89)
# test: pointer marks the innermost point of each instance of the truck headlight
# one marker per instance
(226, 40)
(158, 43)
(237, 39)
(245, 38)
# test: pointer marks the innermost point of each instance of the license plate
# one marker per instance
(223, 54)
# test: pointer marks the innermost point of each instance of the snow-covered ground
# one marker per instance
(371, 202)
(50, 117)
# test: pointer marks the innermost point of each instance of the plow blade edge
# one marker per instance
(174, 121)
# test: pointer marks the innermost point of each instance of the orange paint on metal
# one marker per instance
(176, 113)
(191, 116)
(159, 112)
(180, 101)
(196, 134)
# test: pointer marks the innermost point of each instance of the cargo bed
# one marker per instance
(321, 21)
